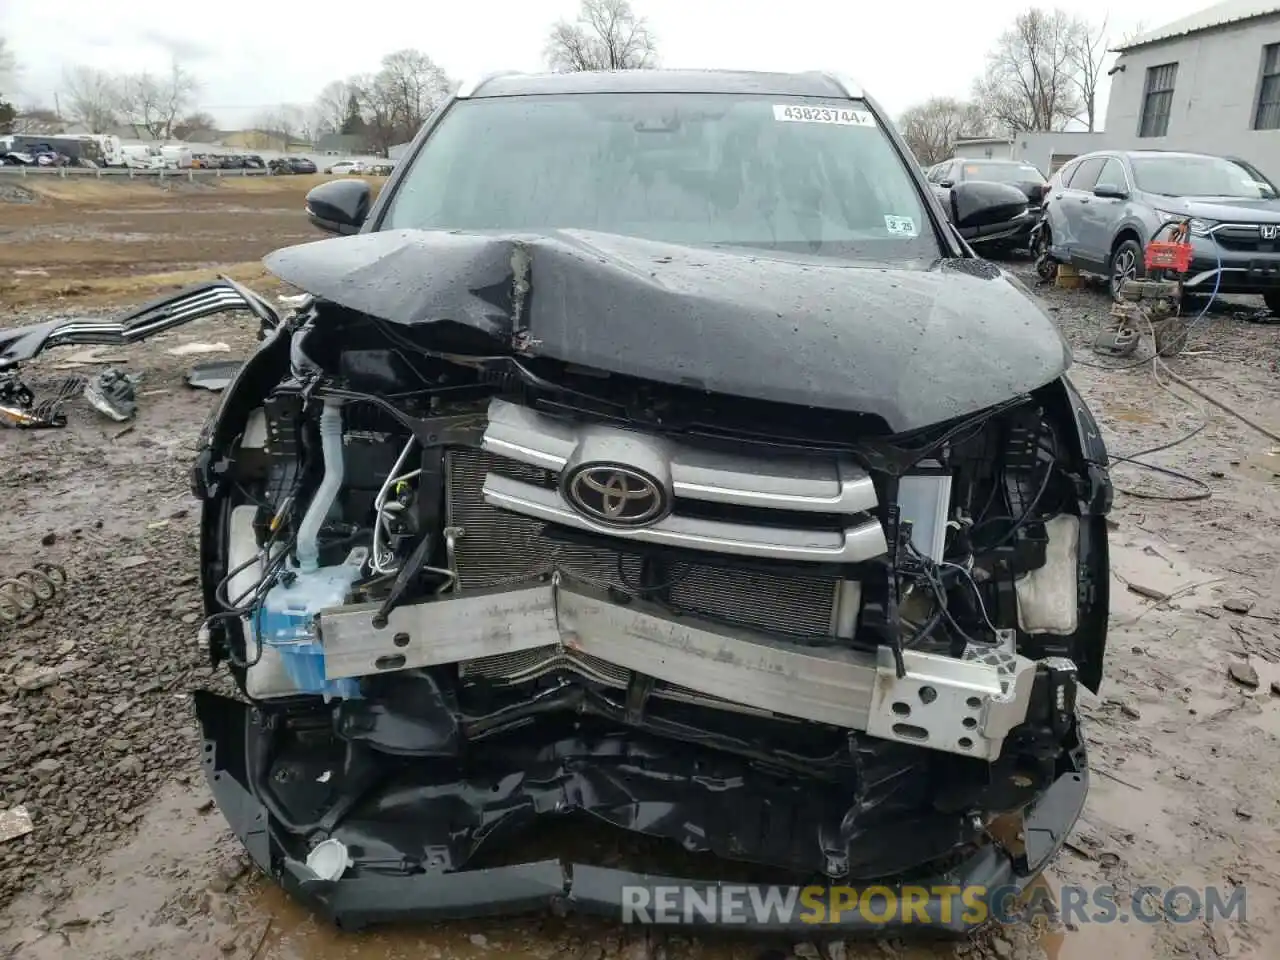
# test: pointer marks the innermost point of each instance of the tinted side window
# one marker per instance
(1087, 175)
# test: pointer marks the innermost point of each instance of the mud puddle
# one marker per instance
(183, 887)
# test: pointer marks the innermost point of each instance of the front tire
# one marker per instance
(1272, 300)
(1046, 266)
(1126, 264)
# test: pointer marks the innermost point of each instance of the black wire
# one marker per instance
(1204, 493)
(1026, 513)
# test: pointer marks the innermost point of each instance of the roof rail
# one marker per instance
(851, 87)
(470, 87)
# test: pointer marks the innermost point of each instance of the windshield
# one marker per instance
(785, 174)
(1183, 176)
(1003, 172)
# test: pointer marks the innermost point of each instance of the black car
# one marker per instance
(292, 165)
(689, 475)
(1024, 177)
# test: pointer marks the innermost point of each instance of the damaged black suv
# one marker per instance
(653, 451)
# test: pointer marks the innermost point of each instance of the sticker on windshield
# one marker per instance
(900, 226)
(798, 114)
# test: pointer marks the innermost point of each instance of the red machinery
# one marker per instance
(1173, 255)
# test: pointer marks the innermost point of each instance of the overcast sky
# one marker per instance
(251, 56)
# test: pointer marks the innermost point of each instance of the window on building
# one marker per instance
(1267, 116)
(1158, 100)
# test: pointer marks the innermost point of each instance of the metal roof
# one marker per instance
(812, 84)
(1210, 18)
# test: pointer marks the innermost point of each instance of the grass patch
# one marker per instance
(115, 189)
(291, 183)
(136, 288)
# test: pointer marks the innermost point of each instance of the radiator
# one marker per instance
(496, 547)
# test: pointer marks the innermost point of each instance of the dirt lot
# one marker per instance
(128, 858)
(111, 240)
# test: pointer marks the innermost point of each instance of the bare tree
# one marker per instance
(332, 106)
(932, 128)
(193, 123)
(412, 86)
(288, 122)
(37, 120)
(92, 98)
(1030, 80)
(310, 125)
(7, 64)
(607, 35)
(389, 107)
(8, 113)
(1087, 52)
(153, 104)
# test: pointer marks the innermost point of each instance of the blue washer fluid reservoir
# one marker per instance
(286, 622)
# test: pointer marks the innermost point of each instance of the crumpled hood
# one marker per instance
(912, 346)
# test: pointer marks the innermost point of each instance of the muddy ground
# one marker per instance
(129, 859)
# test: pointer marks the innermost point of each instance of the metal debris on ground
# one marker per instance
(15, 822)
(213, 375)
(113, 393)
(18, 406)
(1148, 306)
(1261, 315)
(23, 595)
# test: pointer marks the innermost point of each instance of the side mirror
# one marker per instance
(981, 203)
(946, 184)
(1109, 191)
(339, 206)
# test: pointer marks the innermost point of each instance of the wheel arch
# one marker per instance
(1127, 232)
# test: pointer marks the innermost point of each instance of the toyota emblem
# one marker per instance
(615, 495)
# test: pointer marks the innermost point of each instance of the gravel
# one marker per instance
(110, 720)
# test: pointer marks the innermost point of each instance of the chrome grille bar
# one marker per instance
(824, 487)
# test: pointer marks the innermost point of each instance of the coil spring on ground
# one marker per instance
(22, 595)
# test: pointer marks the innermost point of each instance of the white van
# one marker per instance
(176, 156)
(112, 152)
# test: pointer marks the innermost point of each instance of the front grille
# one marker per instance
(1246, 237)
(496, 548)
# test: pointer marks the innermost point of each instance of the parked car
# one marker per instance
(1016, 173)
(689, 474)
(344, 167)
(254, 162)
(292, 165)
(1104, 207)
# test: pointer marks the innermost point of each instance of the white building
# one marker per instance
(1209, 82)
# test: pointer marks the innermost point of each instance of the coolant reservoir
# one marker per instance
(286, 622)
